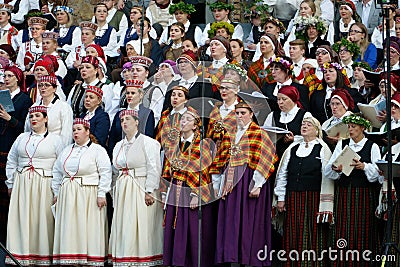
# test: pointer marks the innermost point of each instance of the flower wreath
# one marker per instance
(362, 64)
(219, 25)
(242, 72)
(283, 61)
(357, 119)
(182, 6)
(328, 65)
(302, 24)
(274, 21)
(220, 5)
(351, 47)
(337, 66)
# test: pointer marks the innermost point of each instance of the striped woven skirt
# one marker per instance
(356, 226)
(301, 230)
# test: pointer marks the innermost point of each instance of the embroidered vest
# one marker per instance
(67, 39)
(105, 38)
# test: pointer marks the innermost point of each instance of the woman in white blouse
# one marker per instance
(136, 231)
(59, 112)
(223, 117)
(106, 35)
(341, 104)
(304, 192)
(289, 116)
(69, 34)
(395, 113)
(29, 167)
(81, 179)
(356, 195)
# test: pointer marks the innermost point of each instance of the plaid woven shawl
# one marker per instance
(259, 75)
(312, 82)
(167, 129)
(218, 127)
(215, 75)
(185, 165)
(255, 148)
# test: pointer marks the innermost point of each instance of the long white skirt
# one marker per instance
(136, 232)
(80, 228)
(30, 228)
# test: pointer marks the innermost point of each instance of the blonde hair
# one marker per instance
(364, 43)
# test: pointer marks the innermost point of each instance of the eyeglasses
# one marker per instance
(343, 50)
(44, 85)
(221, 88)
(321, 53)
(35, 29)
(355, 31)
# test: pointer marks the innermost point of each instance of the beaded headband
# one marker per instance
(134, 83)
(84, 122)
(48, 79)
(64, 8)
(35, 109)
(130, 112)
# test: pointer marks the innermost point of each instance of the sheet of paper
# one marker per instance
(370, 113)
(345, 159)
(338, 128)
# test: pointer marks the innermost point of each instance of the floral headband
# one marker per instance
(283, 61)
(357, 119)
(302, 24)
(242, 72)
(328, 65)
(274, 21)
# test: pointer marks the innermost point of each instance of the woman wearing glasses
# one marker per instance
(59, 112)
(358, 34)
(348, 52)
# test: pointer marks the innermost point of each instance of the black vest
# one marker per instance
(357, 178)
(256, 34)
(304, 174)
(294, 125)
